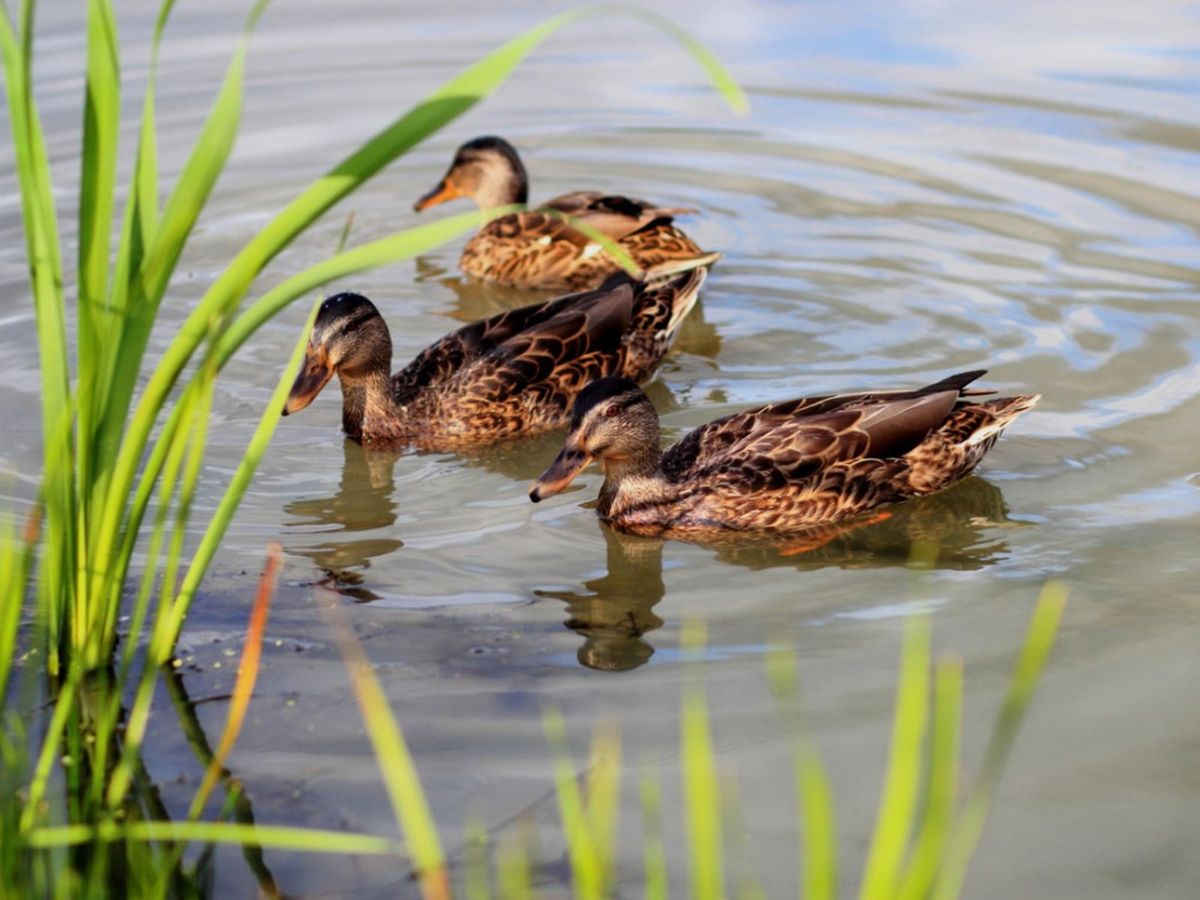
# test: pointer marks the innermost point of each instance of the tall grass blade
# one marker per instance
(814, 797)
(654, 854)
(898, 801)
(243, 688)
(396, 247)
(164, 640)
(604, 796)
(46, 280)
(586, 872)
(283, 837)
(514, 876)
(1043, 629)
(183, 207)
(478, 886)
(701, 788)
(97, 192)
(395, 762)
(942, 792)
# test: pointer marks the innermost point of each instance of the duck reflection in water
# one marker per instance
(618, 607)
(614, 613)
(365, 501)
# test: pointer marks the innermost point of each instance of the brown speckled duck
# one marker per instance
(513, 374)
(781, 467)
(536, 248)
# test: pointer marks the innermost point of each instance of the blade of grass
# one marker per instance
(701, 789)
(237, 802)
(476, 850)
(654, 855)
(164, 639)
(243, 688)
(384, 251)
(183, 207)
(283, 837)
(1043, 629)
(898, 800)
(514, 877)
(943, 781)
(746, 883)
(63, 707)
(97, 190)
(16, 559)
(394, 760)
(814, 798)
(587, 879)
(138, 226)
(603, 796)
(46, 281)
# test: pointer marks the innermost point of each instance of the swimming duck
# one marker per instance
(536, 248)
(512, 374)
(780, 467)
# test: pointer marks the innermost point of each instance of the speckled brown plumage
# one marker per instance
(538, 248)
(512, 374)
(780, 467)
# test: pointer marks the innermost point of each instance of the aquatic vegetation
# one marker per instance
(927, 825)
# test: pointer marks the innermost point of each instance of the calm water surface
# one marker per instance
(920, 189)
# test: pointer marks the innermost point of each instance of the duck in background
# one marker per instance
(539, 248)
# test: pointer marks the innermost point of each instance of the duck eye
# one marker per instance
(612, 411)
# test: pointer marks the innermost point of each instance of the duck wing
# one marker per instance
(783, 443)
(443, 359)
(542, 366)
(613, 215)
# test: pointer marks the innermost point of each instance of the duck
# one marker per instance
(784, 467)
(515, 373)
(538, 248)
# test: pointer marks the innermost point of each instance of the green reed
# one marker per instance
(125, 436)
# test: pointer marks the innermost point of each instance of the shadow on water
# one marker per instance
(614, 613)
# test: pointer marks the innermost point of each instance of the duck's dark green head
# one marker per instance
(349, 339)
(487, 170)
(612, 420)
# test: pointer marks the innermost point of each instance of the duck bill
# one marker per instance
(441, 192)
(314, 375)
(569, 463)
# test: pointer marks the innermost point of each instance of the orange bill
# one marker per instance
(569, 463)
(441, 192)
(313, 375)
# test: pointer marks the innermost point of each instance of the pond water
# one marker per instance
(920, 189)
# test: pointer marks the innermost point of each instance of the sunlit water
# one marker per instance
(919, 190)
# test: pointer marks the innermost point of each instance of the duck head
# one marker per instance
(612, 421)
(487, 170)
(349, 339)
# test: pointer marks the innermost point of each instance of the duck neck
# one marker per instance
(631, 480)
(504, 186)
(370, 413)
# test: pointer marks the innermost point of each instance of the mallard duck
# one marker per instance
(512, 374)
(536, 248)
(780, 467)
